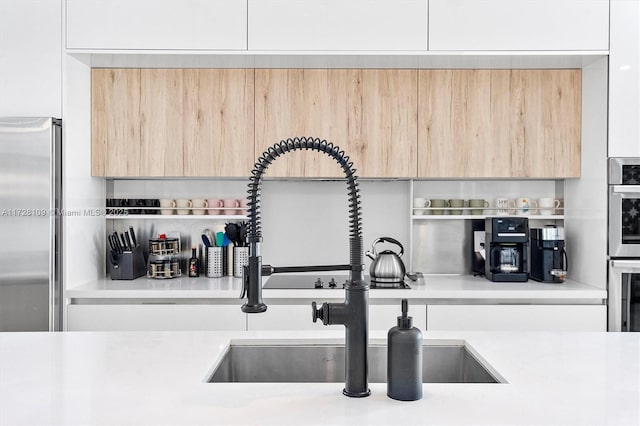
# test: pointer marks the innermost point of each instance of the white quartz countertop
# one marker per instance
(435, 287)
(158, 378)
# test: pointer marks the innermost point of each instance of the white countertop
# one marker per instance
(435, 287)
(157, 378)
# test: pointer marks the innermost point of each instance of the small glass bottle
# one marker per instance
(194, 264)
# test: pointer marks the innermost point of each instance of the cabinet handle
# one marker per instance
(626, 189)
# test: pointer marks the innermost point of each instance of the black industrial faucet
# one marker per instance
(353, 313)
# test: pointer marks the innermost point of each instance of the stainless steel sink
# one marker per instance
(325, 363)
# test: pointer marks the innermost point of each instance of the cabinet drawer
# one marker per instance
(157, 24)
(517, 317)
(298, 317)
(337, 25)
(155, 318)
(518, 25)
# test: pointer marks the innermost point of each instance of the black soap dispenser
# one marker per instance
(404, 359)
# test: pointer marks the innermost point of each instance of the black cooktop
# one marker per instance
(315, 282)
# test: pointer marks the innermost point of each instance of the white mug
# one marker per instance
(525, 206)
(167, 203)
(183, 206)
(548, 205)
(504, 206)
(199, 206)
(420, 202)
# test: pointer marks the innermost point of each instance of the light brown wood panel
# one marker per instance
(370, 114)
(115, 138)
(161, 130)
(172, 122)
(499, 123)
(218, 122)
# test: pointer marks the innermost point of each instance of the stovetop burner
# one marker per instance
(316, 282)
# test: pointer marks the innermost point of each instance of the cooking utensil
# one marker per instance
(206, 241)
(232, 231)
(387, 267)
(244, 227)
(116, 241)
(219, 239)
(128, 240)
(133, 236)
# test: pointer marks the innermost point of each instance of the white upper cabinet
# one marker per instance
(331, 25)
(624, 79)
(157, 24)
(518, 25)
(30, 58)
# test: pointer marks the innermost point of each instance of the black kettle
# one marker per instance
(387, 267)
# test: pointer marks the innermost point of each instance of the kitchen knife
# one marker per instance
(116, 240)
(123, 242)
(111, 243)
(128, 240)
(133, 236)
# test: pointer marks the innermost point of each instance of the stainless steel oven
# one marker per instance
(624, 207)
(624, 295)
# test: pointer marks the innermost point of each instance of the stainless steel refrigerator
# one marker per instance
(30, 224)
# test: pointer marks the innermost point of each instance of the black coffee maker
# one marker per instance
(548, 256)
(507, 244)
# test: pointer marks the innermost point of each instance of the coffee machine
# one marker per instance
(507, 244)
(548, 256)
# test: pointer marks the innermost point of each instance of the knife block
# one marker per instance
(129, 266)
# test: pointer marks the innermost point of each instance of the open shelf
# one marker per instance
(177, 216)
(483, 216)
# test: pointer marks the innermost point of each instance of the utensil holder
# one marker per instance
(215, 262)
(129, 265)
(240, 259)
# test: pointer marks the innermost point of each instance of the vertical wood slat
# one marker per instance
(161, 151)
(218, 122)
(370, 114)
(172, 122)
(515, 123)
(115, 132)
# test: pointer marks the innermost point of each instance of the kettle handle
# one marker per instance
(388, 240)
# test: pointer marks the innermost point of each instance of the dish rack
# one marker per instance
(164, 260)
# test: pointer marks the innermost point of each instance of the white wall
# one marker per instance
(304, 222)
(586, 198)
(31, 58)
(84, 241)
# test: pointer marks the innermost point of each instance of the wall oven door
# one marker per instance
(624, 207)
(624, 295)
(624, 221)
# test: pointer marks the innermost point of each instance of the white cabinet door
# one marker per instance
(624, 79)
(157, 24)
(517, 317)
(298, 317)
(518, 25)
(155, 318)
(31, 58)
(337, 25)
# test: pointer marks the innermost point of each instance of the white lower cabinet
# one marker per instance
(517, 317)
(155, 317)
(298, 317)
